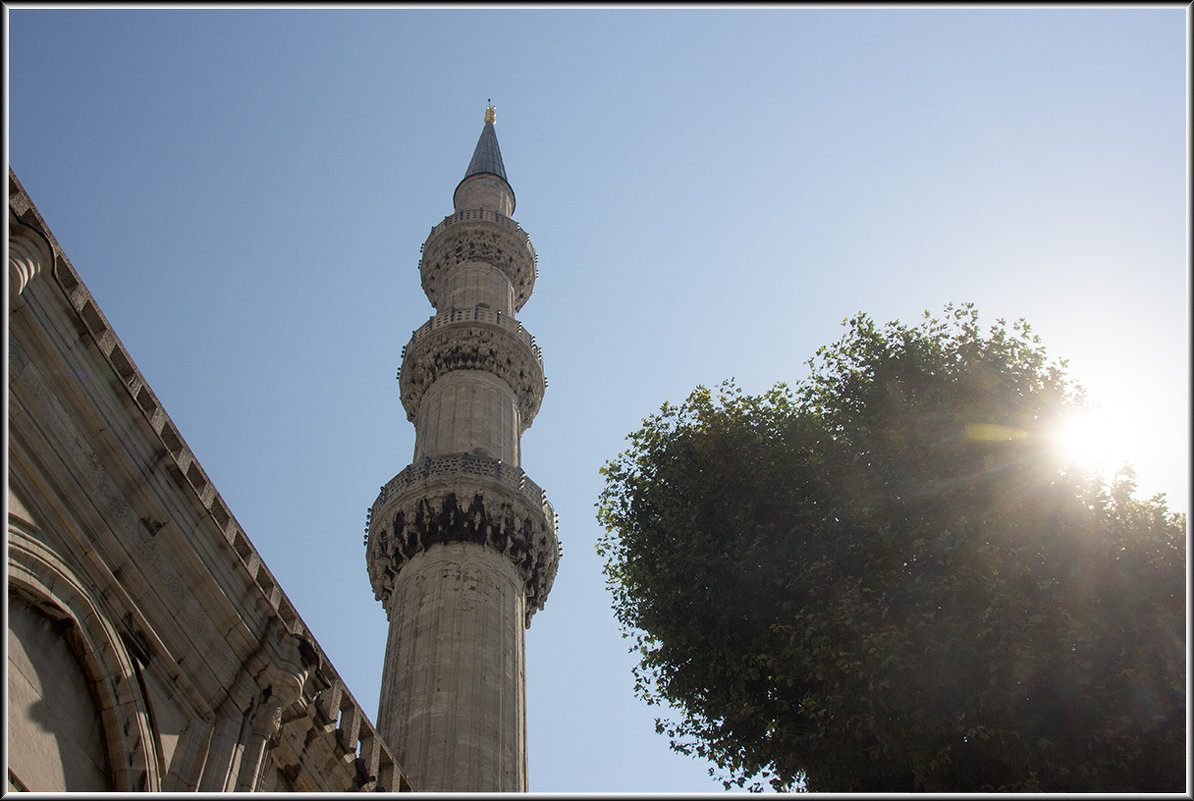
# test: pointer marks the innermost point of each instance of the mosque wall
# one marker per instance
(150, 648)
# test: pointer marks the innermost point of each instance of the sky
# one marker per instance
(711, 192)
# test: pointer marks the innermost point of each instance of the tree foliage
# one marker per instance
(882, 579)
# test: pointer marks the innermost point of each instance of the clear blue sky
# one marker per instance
(710, 191)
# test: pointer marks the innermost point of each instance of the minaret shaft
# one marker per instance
(455, 683)
(469, 411)
(461, 544)
(478, 285)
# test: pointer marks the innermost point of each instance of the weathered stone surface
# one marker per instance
(150, 649)
(477, 286)
(29, 253)
(466, 507)
(50, 707)
(478, 235)
(469, 411)
(473, 346)
(454, 689)
(461, 546)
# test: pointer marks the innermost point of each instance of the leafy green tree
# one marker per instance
(884, 580)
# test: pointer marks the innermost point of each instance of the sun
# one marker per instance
(1092, 439)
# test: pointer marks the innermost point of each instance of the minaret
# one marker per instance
(462, 544)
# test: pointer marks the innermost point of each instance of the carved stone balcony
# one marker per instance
(479, 235)
(463, 497)
(480, 315)
(473, 339)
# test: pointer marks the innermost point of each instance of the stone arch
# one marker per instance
(41, 581)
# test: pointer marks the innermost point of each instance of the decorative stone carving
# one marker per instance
(449, 466)
(268, 718)
(461, 547)
(285, 674)
(464, 508)
(29, 253)
(478, 235)
(473, 346)
(480, 315)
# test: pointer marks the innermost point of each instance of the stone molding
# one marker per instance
(51, 586)
(466, 464)
(477, 314)
(468, 345)
(463, 498)
(29, 253)
(479, 235)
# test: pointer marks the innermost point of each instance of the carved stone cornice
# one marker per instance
(471, 345)
(478, 235)
(446, 499)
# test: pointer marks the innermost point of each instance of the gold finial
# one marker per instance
(490, 114)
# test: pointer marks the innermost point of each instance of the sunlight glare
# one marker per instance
(1092, 439)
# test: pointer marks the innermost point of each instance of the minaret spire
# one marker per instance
(462, 545)
(486, 174)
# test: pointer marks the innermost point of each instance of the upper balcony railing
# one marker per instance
(472, 215)
(478, 314)
(454, 464)
(513, 250)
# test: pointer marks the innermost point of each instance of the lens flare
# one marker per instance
(989, 432)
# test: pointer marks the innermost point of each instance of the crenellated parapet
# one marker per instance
(463, 498)
(478, 235)
(507, 352)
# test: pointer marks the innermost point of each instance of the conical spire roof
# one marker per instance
(487, 157)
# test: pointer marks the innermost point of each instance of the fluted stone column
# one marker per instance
(462, 545)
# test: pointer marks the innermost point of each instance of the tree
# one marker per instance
(883, 579)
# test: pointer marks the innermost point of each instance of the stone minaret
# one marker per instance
(462, 544)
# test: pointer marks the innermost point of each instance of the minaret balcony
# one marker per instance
(463, 497)
(479, 235)
(473, 339)
(478, 314)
